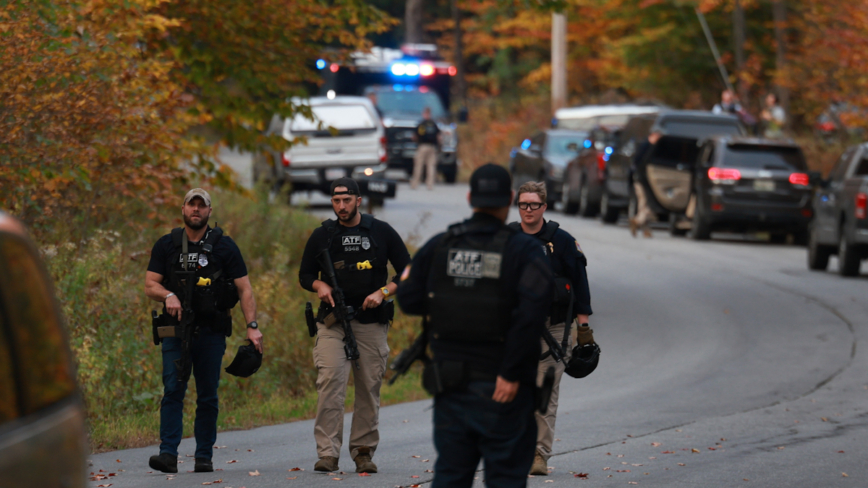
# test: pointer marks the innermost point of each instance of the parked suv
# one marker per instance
(684, 129)
(42, 421)
(748, 184)
(544, 157)
(840, 224)
(586, 173)
(346, 138)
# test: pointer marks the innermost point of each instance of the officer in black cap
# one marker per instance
(219, 280)
(485, 291)
(360, 247)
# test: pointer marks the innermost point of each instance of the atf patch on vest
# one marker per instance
(463, 263)
(351, 243)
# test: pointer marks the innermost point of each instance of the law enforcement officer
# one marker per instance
(571, 300)
(427, 137)
(485, 290)
(360, 247)
(644, 215)
(213, 257)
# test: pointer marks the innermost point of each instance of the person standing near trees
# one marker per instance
(427, 137)
(217, 281)
(774, 118)
(571, 300)
(360, 248)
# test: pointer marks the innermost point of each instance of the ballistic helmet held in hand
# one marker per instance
(584, 361)
(246, 362)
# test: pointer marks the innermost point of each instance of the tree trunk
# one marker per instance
(413, 22)
(779, 12)
(739, 40)
(459, 56)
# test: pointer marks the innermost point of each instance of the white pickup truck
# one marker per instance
(346, 138)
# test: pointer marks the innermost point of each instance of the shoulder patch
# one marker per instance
(406, 273)
(579, 248)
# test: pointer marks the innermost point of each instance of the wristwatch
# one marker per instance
(385, 291)
(253, 325)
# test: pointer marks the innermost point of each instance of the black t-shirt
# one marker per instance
(225, 256)
(390, 248)
(427, 131)
(527, 281)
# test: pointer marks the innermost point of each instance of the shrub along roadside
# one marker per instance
(100, 282)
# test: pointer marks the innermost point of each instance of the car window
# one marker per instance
(675, 149)
(410, 103)
(862, 169)
(341, 117)
(559, 145)
(44, 366)
(842, 165)
(701, 128)
(764, 157)
(8, 393)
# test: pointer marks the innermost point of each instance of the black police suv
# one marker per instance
(743, 184)
(544, 157)
(672, 161)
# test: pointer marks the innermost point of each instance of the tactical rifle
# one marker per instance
(559, 351)
(343, 312)
(408, 356)
(185, 328)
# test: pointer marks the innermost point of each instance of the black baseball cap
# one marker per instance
(350, 184)
(490, 187)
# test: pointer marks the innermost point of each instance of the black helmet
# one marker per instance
(584, 361)
(246, 362)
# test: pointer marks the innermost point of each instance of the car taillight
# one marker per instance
(724, 175)
(861, 206)
(383, 149)
(601, 166)
(284, 160)
(800, 179)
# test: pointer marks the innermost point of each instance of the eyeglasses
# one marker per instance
(530, 205)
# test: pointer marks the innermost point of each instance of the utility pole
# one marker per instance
(413, 22)
(559, 61)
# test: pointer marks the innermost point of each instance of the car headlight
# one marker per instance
(388, 122)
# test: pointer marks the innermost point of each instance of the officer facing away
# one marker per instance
(571, 300)
(215, 257)
(360, 247)
(485, 291)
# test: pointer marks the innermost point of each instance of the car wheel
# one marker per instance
(609, 213)
(586, 208)
(674, 230)
(701, 230)
(570, 207)
(848, 257)
(818, 255)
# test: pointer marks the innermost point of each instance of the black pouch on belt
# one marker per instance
(387, 311)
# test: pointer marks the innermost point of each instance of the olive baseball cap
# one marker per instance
(198, 192)
(490, 187)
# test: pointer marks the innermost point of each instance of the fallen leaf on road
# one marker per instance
(254, 473)
(219, 447)
(292, 477)
(337, 479)
(106, 486)
(233, 461)
(842, 474)
(414, 476)
(295, 469)
(652, 457)
(206, 483)
(584, 476)
(780, 447)
(667, 452)
(695, 450)
(549, 481)
(622, 470)
(425, 460)
(840, 452)
(656, 444)
(415, 456)
(632, 483)
(681, 464)
(824, 419)
(250, 450)
(429, 470)
(118, 460)
(606, 469)
(364, 474)
(712, 448)
(636, 465)
(745, 479)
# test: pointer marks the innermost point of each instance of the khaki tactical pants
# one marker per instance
(426, 155)
(644, 215)
(333, 370)
(546, 423)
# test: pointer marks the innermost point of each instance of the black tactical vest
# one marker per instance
(209, 297)
(354, 255)
(467, 303)
(563, 285)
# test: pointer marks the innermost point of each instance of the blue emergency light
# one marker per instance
(320, 64)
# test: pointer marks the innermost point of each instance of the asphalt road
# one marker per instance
(724, 363)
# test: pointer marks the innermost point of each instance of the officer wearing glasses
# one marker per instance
(572, 300)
